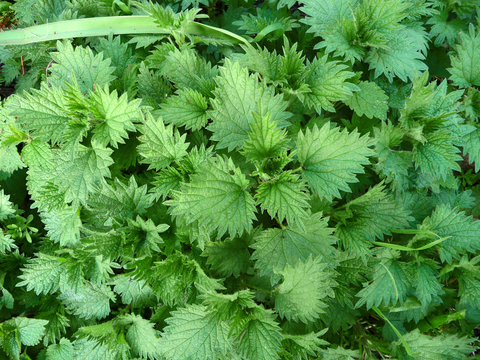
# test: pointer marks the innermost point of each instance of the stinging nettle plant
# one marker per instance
(240, 180)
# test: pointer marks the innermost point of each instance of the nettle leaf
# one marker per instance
(217, 197)
(277, 248)
(465, 68)
(471, 146)
(44, 112)
(6, 207)
(92, 301)
(141, 336)
(371, 100)
(401, 57)
(63, 226)
(390, 285)
(437, 156)
(116, 116)
(87, 68)
(135, 292)
(304, 286)
(330, 158)
(118, 200)
(284, 196)
(188, 108)
(77, 175)
(61, 351)
(440, 347)
(326, 80)
(28, 331)
(304, 346)
(463, 232)
(194, 332)
(238, 95)
(160, 145)
(229, 257)
(44, 273)
(261, 336)
(265, 140)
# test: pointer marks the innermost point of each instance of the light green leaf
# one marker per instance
(305, 346)
(141, 336)
(115, 116)
(326, 80)
(331, 158)
(87, 68)
(390, 285)
(187, 108)
(63, 226)
(238, 95)
(217, 197)
(277, 248)
(160, 145)
(265, 140)
(305, 285)
(29, 331)
(133, 291)
(193, 333)
(465, 68)
(92, 301)
(61, 351)
(6, 207)
(229, 257)
(77, 176)
(463, 232)
(284, 196)
(371, 100)
(261, 336)
(43, 274)
(440, 347)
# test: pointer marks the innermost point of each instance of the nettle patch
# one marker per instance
(230, 180)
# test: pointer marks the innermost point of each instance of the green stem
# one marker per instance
(279, 223)
(300, 168)
(102, 26)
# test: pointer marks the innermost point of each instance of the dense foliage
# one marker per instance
(311, 193)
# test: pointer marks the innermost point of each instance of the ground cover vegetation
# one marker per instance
(240, 180)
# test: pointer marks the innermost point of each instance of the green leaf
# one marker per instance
(401, 57)
(284, 196)
(160, 145)
(61, 351)
(277, 248)
(330, 158)
(305, 285)
(43, 274)
(6, 300)
(441, 347)
(465, 68)
(76, 176)
(217, 197)
(327, 82)
(135, 292)
(304, 346)
(389, 286)
(28, 331)
(63, 226)
(187, 108)
(92, 301)
(118, 200)
(471, 146)
(6, 207)
(265, 140)
(193, 332)
(237, 97)
(87, 68)
(115, 116)
(371, 100)
(261, 336)
(228, 257)
(427, 285)
(141, 336)
(437, 156)
(43, 111)
(463, 232)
